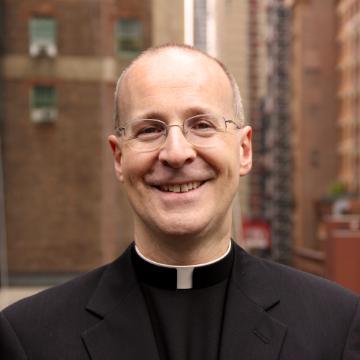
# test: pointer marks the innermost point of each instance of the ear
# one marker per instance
(116, 150)
(245, 151)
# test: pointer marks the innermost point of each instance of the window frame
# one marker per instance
(42, 37)
(43, 110)
(137, 39)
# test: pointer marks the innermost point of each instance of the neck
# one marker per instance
(183, 266)
(182, 250)
(179, 246)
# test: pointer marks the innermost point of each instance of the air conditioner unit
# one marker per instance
(46, 115)
(43, 49)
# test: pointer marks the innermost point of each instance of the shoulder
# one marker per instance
(294, 286)
(51, 304)
(72, 298)
(321, 317)
(308, 284)
(54, 320)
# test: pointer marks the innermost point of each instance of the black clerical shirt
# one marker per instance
(186, 306)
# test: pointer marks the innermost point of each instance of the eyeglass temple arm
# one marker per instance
(232, 122)
(120, 130)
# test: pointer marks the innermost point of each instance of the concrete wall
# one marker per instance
(168, 21)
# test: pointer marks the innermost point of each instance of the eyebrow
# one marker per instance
(150, 115)
(197, 110)
(189, 112)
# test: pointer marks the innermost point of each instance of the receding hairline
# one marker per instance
(238, 107)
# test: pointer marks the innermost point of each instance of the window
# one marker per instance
(129, 37)
(43, 104)
(42, 33)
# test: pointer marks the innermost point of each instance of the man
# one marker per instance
(183, 290)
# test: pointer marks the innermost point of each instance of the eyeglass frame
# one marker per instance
(121, 131)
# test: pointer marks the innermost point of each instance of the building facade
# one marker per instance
(257, 88)
(348, 12)
(64, 210)
(271, 199)
(314, 113)
(231, 46)
(167, 21)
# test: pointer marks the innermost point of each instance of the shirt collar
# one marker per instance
(182, 277)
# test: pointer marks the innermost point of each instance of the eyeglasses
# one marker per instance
(150, 134)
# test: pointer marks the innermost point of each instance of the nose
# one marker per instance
(176, 151)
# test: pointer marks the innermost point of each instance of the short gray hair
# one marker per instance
(237, 101)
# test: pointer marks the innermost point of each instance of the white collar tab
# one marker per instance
(184, 276)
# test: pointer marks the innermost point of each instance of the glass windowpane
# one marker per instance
(43, 97)
(129, 36)
(42, 29)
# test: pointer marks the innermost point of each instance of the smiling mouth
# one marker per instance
(180, 188)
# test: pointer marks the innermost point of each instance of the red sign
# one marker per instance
(256, 234)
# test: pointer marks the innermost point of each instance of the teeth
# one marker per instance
(177, 188)
(196, 184)
(184, 187)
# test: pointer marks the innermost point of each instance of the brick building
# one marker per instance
(325, 112)
(64, 210)
(348, 12)
(314, 112)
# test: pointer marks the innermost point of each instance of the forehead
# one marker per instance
(174, 81)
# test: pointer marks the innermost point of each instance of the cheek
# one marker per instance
(228, 157)
(135, 166)
(131, 172)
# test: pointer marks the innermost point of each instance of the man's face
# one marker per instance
(172, 86)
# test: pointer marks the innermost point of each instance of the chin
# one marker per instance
(183, 228)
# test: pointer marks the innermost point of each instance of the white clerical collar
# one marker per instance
(185, 273)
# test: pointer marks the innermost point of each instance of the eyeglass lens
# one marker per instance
(149, 134)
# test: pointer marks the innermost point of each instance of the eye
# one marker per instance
(147, 130)
(203, 124)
